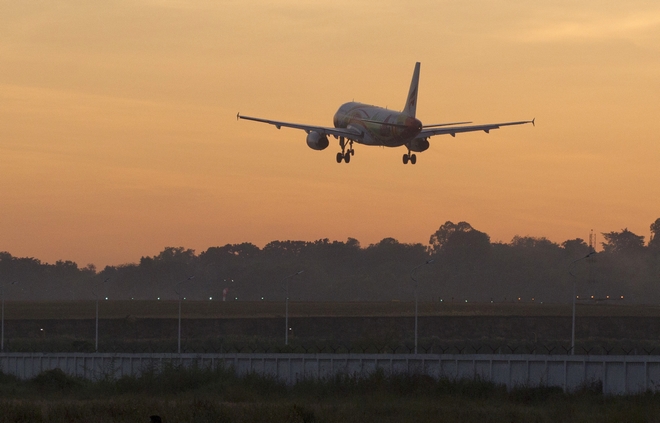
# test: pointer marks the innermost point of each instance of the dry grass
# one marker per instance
(193, 395)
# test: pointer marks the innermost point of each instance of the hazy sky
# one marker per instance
(118, 131)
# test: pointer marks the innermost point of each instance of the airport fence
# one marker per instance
(220, 346)
(612, 375)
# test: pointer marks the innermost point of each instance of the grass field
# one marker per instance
(199, 396)
(269, 309)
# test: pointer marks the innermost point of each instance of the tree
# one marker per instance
(245, 250)
(654, 241)
(467, 247)
(389, 251)
(622, 242)
(441, 236)
(175, 255)
(284, 248)
(575, 247)
(353, 243)
(541, 243)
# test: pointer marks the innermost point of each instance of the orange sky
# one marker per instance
(118, 134)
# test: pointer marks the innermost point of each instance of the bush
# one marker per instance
(56, 380)
(525, 395)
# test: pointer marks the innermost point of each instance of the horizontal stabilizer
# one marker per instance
(396, 125)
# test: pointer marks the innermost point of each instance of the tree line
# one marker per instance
(464, 265)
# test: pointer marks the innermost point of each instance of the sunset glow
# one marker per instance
(118, 130)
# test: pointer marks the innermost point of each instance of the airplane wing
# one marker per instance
(453, 130)
(354, 134)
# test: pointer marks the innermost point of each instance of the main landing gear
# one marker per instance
(409, 157)
(345, 154)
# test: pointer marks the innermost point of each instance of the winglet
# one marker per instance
(238, 115)
(533, 124)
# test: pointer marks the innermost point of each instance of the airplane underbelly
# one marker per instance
(369, 139)
(388, 141)
(374, 139)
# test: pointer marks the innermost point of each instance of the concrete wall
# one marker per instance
(618, 374)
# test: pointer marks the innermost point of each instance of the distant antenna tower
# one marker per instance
(591, 277)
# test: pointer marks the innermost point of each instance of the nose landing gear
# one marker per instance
(345, 154)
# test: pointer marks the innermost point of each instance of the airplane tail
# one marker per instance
(411, 103)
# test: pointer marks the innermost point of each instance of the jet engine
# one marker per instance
(316, 141)
(418, 145)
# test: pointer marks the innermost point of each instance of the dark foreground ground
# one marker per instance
(137, 326)
(190, 395)
(196, 396)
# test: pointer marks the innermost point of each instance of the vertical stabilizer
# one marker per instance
(411, 103)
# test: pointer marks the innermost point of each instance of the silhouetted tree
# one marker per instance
(622, 242)
(467, 266)
(441, 236)
(284, 248)
(575, 248)
(654, 240)
(465, 249)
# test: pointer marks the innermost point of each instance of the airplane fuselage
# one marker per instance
(378, 125)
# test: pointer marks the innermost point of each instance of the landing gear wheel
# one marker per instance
(346, 153)
(413, 159)
(405, 159)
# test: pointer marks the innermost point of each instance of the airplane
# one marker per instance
(372, 125)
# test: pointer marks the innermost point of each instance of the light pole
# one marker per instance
(286, 307)
(96, 295)
(176, 289)
(412, 276)
(574, 296)
(2, 337)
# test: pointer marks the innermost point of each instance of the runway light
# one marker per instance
(262, 298)
(518, 298)
(158, 298)
(608, 297)
(106, 298)
(466, 301)
(622, 297)
(236, 298)
(210, 298)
